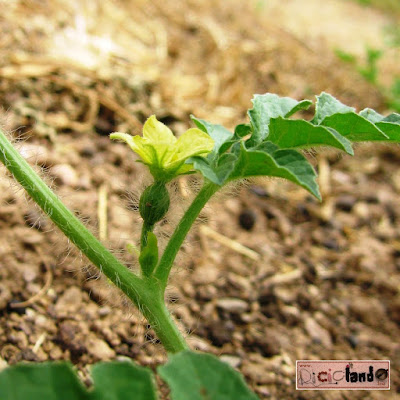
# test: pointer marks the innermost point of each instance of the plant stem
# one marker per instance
(146, 228)
(63, 217)
(164, 267)
(146, 294)
(158, 316)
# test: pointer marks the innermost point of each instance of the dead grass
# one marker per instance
(120, 61)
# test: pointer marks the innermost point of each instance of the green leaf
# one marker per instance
(392, 118)
(122, 381)
(59, 381)
(226, 146)
(198, 376)
(148, 258)
(354, 127)
(289, 133)
(267, 106)
(334, 124)
(371, 115)
(268, 160)
(375, 117)
(217, 170)
(368, 125)
(50, 381)
(389, 125)
(301, 105)
(218, 133)
(242, 130)
(326, 106)
(206, 169)
(391, 130)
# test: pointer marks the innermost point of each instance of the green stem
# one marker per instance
(160, 319)
(63, 217)
(145, 294)
(146, 228)
(164, 267)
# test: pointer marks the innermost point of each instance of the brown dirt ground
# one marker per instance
(317, 281)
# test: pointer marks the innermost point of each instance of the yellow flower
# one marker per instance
(162, 152)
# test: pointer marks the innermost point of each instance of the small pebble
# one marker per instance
(259, 191)
(287, 295)
(330, 244)
(69, 302)
(29, 275)
(266, 344)
(235, 306)
(87, 151)
(84, 182)
(361, 210)
(345, 202)
(247, 219)
(55, 353)
(265, 392)
(291, 315)
(18, 338)
(104, 311)
(34, 153)
(233, 361)
(64, 174)
(253, 371)
(318, 333)
(99, 349)
(207, 274)
(369, 310)
(353, 341)
(198, 343)
(302, 211)
(41, 321)
(32, 237)
(221, 333)
(27, 355)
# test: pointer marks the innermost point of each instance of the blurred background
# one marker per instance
(181, 57)
(298, 279)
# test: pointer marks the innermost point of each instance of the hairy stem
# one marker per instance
(63, 217)
(144, 293)
(154, 309)
(164, 267)
(146, 228)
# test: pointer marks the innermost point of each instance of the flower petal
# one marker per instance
(193, 142)
(144, 149)
(162, 152)
(138, 145)
(128, 139)
(156, 132)
(122, 136)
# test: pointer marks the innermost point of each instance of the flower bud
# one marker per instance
(154, 203)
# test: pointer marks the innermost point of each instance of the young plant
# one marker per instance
(370, 70)
(269, 145)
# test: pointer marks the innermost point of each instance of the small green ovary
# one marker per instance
(154, 203)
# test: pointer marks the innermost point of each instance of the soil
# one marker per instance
(270, 275)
